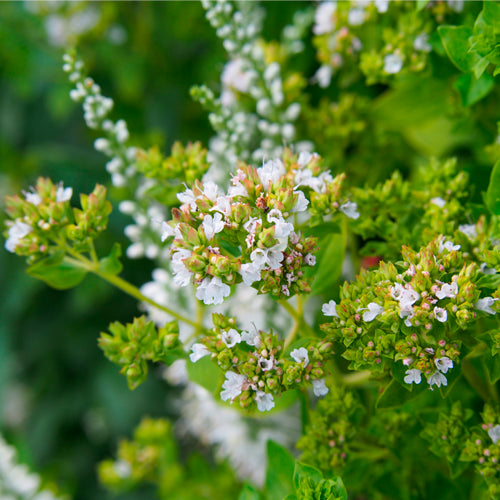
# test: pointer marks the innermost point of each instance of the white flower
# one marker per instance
(319, 387)
(381, 5)
(233, 385)
(265, 364)
(211, 190)
(324, 18)
(470, 230)
(305, 157)
(421, 43)
(310, 259)
(251, 338)
(437, 378)
(300, 356)
(485, 304)
(356, 16)
(264, 401)
(494, 433)
(449, 290)
(323, 76)
(447, 245)
(231, 338)
(198, 351)
(223, 205)
(250, 273)
(17, 231)
(374, 310)
(212, 291)
(439, 202)
(236, 76)
(182, 275)
(33, 198)
(440, 314)
(166, 231)
(444, 364)
(213, 225)
(187, 198)
(350, 209)
(393, 64)
(271, 172)
(413, 376)
(330, 309)
(302, 203)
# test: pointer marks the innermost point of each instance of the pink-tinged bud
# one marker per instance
(189, 234)
(266, 237)
(195, 263)
(240, 212)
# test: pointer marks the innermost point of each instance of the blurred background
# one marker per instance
(62, 404)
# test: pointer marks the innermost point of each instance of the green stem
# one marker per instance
(357, 378)
(128, 288)
(299, 322)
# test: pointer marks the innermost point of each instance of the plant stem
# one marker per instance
(128, 288)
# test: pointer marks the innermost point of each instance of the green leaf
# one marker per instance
(57, 272)
(492, 365)
(248, 492)
(280, 470)
(329, 262)
(493, 191)
(472, 89)
(205, 373)
(397, 394)
(456, 43)
(491, 15)
(305, 472)
(111, 264)
(421, 4)
(490, 281)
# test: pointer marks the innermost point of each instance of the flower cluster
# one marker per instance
(244, 235)
(16, 482)
(43, 222)
(414, 316)
(255, 368)
(402, 39)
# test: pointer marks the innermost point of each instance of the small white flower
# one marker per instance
(350, 209)
(356, 16)
(320, 388)
(251, 338)
(302, 203)
(63, 194)
(182, 275)
(250, 273)
(330, 309)
(437, 378)
(449, 290)
(485, 304)
(264, 401)
(421, 43)
(17, 231)
(323, 76)
(381, 5)
(300, 356)
(440, 314)
(393, 64)
(439, 202)
(271, 172)
(470, 230)
(187, 198)
(324, 18)
(444, 364)
(374, 310)
(213, 225)
(166, 231)
(33, 198)
(233, 386)
(447, 245)
(231, 338)
(310, 259)
(305, 157)
(494, 433)
(212, 291)
(265, 364)
(413, 376)
(198, 351)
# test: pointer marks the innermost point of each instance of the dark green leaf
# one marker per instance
(57, 272)
(492, 365)
(111, 264)
(280, 469)
(329, 263)
(473, 90)
(493, 192)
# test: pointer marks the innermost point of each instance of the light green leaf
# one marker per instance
(248, 492)
(493, 192)
(111, 264)
(205, 373)
(280, 469)
(57, 272)
(305, 472)
(456, 43)
(421, 4)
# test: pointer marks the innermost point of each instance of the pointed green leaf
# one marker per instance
(248, 492)
(111, 264)
(57, 272)
(456, 43)
(493, 192)
(472, 89)
(280, 469)
(306, 472)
